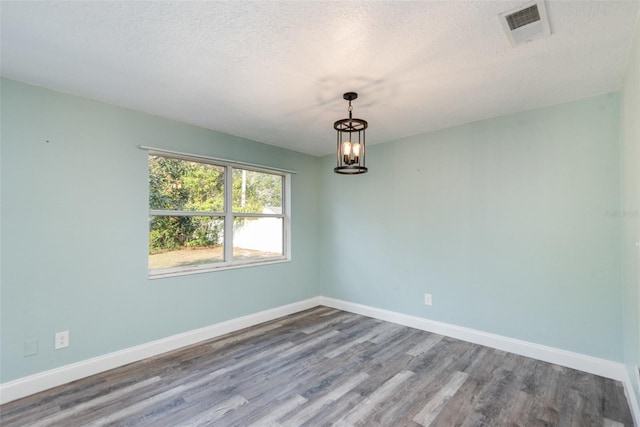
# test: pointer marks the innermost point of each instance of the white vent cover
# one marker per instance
(525, 23)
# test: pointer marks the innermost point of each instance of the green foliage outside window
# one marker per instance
(261, 190)
(181, 185)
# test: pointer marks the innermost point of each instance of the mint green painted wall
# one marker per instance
(503, 221)
(74, 231)
(630, 205)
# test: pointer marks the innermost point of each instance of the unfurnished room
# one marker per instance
(320, 213)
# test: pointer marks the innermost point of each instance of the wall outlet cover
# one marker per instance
(62, 340)
(427, 299)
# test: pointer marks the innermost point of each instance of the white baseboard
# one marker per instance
(593, 365)
(45, 380)
(632, 397)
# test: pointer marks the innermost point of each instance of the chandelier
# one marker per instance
(350, 151)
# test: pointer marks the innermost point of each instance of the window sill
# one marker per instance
(207, 268)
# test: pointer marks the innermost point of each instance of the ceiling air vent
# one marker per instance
(525, 23)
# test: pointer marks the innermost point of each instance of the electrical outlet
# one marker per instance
(427, 299)
(62, 340)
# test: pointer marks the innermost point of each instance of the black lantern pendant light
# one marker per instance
(351, 141)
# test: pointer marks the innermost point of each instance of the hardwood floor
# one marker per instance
(328, 367)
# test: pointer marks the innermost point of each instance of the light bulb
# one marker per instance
(346, 148)
(346, 152)
(356, 150)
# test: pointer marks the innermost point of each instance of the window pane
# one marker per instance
(257, 237)
(257, 192)
(177, 241)
(176, 184)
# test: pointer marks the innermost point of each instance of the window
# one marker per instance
(205, 215)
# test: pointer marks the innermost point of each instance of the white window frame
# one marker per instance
(229, 216)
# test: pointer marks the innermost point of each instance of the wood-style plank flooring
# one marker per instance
(325, 367)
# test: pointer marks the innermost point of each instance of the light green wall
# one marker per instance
(504, 221)
(74, 231)
(630, 206)
(510, 223)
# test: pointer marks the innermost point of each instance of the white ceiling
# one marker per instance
(275, 71)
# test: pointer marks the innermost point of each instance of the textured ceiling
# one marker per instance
(275, 71)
